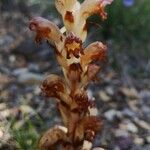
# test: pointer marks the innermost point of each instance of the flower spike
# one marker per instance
(77, 109)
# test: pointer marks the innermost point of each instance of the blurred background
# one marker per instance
(122, 95)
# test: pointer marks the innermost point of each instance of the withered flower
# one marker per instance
(54, 86)
(87, 128)
(81, 99)
(92, 125)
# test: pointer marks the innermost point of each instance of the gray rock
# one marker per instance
(110, 114)
(26, 77)
(30, 78)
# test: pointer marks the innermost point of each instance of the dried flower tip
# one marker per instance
(45, 30)
(52, 86)
(89, 8)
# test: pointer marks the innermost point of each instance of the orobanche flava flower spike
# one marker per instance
(77, 110)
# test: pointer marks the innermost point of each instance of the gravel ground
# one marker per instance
(123, 102)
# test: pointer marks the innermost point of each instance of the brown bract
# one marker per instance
(94, 7)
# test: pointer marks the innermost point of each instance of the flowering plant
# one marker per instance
(78, 64)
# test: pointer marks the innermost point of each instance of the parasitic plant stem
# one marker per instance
(77, 110)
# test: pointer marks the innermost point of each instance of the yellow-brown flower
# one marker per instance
(52, 86)
(47, 30)
(73, 46)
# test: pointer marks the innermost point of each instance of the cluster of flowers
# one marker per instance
(79, 68)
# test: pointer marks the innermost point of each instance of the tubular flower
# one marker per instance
(94, 52)
(75, 14)
(54, 86)
(77, 110)
(47, 30)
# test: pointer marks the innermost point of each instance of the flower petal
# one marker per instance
(45, 29)
(69, 9)
(66, 5)
(94, 52)
(90, 7)
(73, 46)
(54, 86)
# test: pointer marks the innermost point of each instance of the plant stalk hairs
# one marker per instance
(77, 110)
